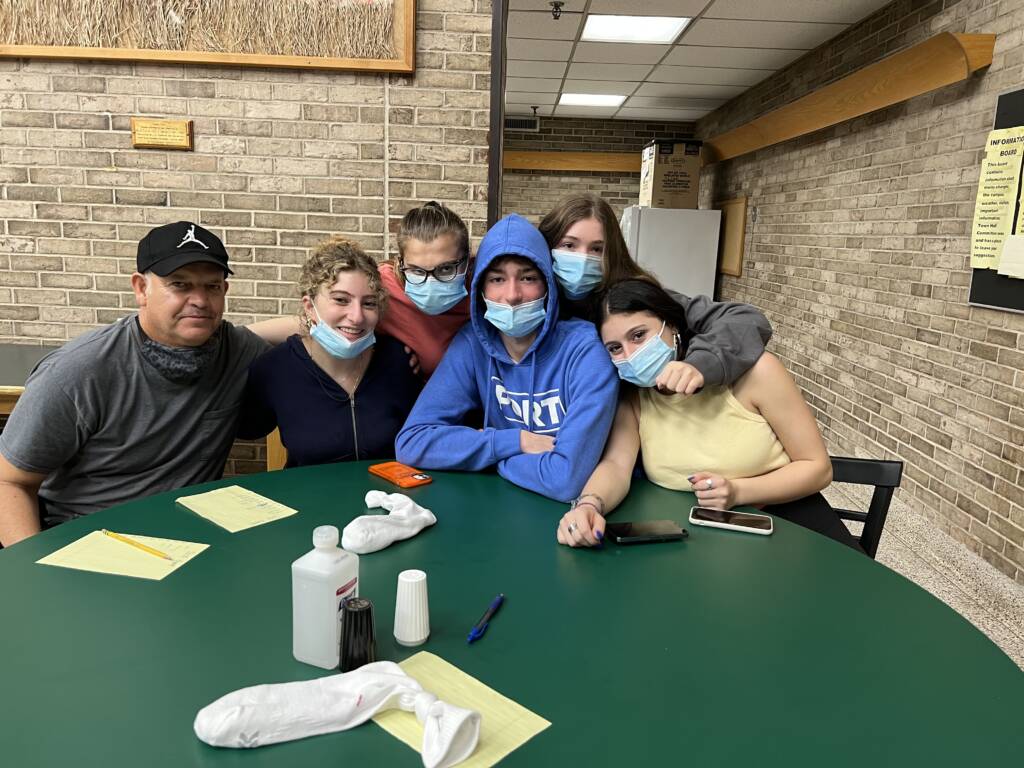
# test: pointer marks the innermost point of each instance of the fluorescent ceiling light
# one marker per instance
(590, 100)
(633, 29)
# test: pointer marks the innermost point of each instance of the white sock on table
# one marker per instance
(370, 533)
(268, 714)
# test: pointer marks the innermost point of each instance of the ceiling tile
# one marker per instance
(682, 115)
(836, 11)
(599, 86)
(619, 53)
(542, 26)
(540, 85)
(538, 50)
(528, 97)
(608, 71)
(547, 69)
(709, 75)
(673, 102)
(585, 111)
(759, 34)
(740, 58)
(526, 110)
(689, 8)
(690, 90)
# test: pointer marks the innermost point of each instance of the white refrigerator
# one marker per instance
(679, 245)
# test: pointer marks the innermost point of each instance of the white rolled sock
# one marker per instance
(268, 714)
(370, 533)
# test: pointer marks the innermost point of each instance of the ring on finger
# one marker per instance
(710, 483)
(571, 527)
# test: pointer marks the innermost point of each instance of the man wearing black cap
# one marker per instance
(144, 405)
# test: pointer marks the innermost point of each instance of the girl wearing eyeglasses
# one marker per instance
(427, 285)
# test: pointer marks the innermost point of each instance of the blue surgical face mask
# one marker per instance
(516, 321)
(646, 362)
(577, 274)
(434, 296)
(334, 343)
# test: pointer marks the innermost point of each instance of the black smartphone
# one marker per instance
(645, 532)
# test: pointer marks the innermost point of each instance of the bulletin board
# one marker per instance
(730, 246)
(988, 287)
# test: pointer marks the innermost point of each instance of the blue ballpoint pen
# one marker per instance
(481, 626)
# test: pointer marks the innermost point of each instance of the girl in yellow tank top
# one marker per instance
(755, 443)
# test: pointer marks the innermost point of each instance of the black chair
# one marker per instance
(885, 476)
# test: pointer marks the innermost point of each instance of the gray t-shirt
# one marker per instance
(106, 427)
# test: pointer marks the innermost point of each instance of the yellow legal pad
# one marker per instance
(103, 554)
(235, 508)
(504, 724)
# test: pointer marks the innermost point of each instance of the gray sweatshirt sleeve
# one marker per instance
(729, 337)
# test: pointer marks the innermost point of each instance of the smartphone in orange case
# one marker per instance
(401, 475)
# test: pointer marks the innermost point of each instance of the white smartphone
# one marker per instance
(733, 521)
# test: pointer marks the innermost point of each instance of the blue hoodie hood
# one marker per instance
(512, 236)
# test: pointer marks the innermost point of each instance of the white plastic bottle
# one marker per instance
(321, 580)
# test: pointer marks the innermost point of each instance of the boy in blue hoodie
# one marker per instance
(546, 386)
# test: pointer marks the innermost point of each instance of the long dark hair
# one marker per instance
(628, 296)
(617, 263)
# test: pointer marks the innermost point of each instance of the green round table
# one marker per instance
(726, 649)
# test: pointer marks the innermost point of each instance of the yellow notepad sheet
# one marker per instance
(103, 554)
(235, 508)
(504, 724)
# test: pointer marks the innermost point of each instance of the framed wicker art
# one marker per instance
(371, 35)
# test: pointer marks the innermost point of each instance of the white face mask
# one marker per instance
(577, 273)
(334, 343)
(647, 361)
(519, 320)
(434, 296)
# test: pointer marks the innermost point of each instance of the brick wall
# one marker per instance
(283, 158)
(860, 257)
(576, 134)
(534, 193)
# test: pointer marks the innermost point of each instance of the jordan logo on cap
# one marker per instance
(190, 237)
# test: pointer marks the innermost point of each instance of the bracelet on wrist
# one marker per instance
(599, 505)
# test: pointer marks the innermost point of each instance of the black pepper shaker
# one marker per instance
(358, 640)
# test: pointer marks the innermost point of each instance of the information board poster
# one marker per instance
(996, 206)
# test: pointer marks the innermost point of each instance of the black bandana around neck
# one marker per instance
(181, 365)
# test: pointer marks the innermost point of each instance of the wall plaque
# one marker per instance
(151, 133)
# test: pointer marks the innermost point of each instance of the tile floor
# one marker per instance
(911, 546)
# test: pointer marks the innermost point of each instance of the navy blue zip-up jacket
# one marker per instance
(319, 422)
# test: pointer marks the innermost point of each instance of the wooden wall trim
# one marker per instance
(619, 162)
(204, 57)
(8, 398)
(939, 61)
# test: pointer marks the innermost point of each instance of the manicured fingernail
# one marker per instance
(690, 478)
(600, 536)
